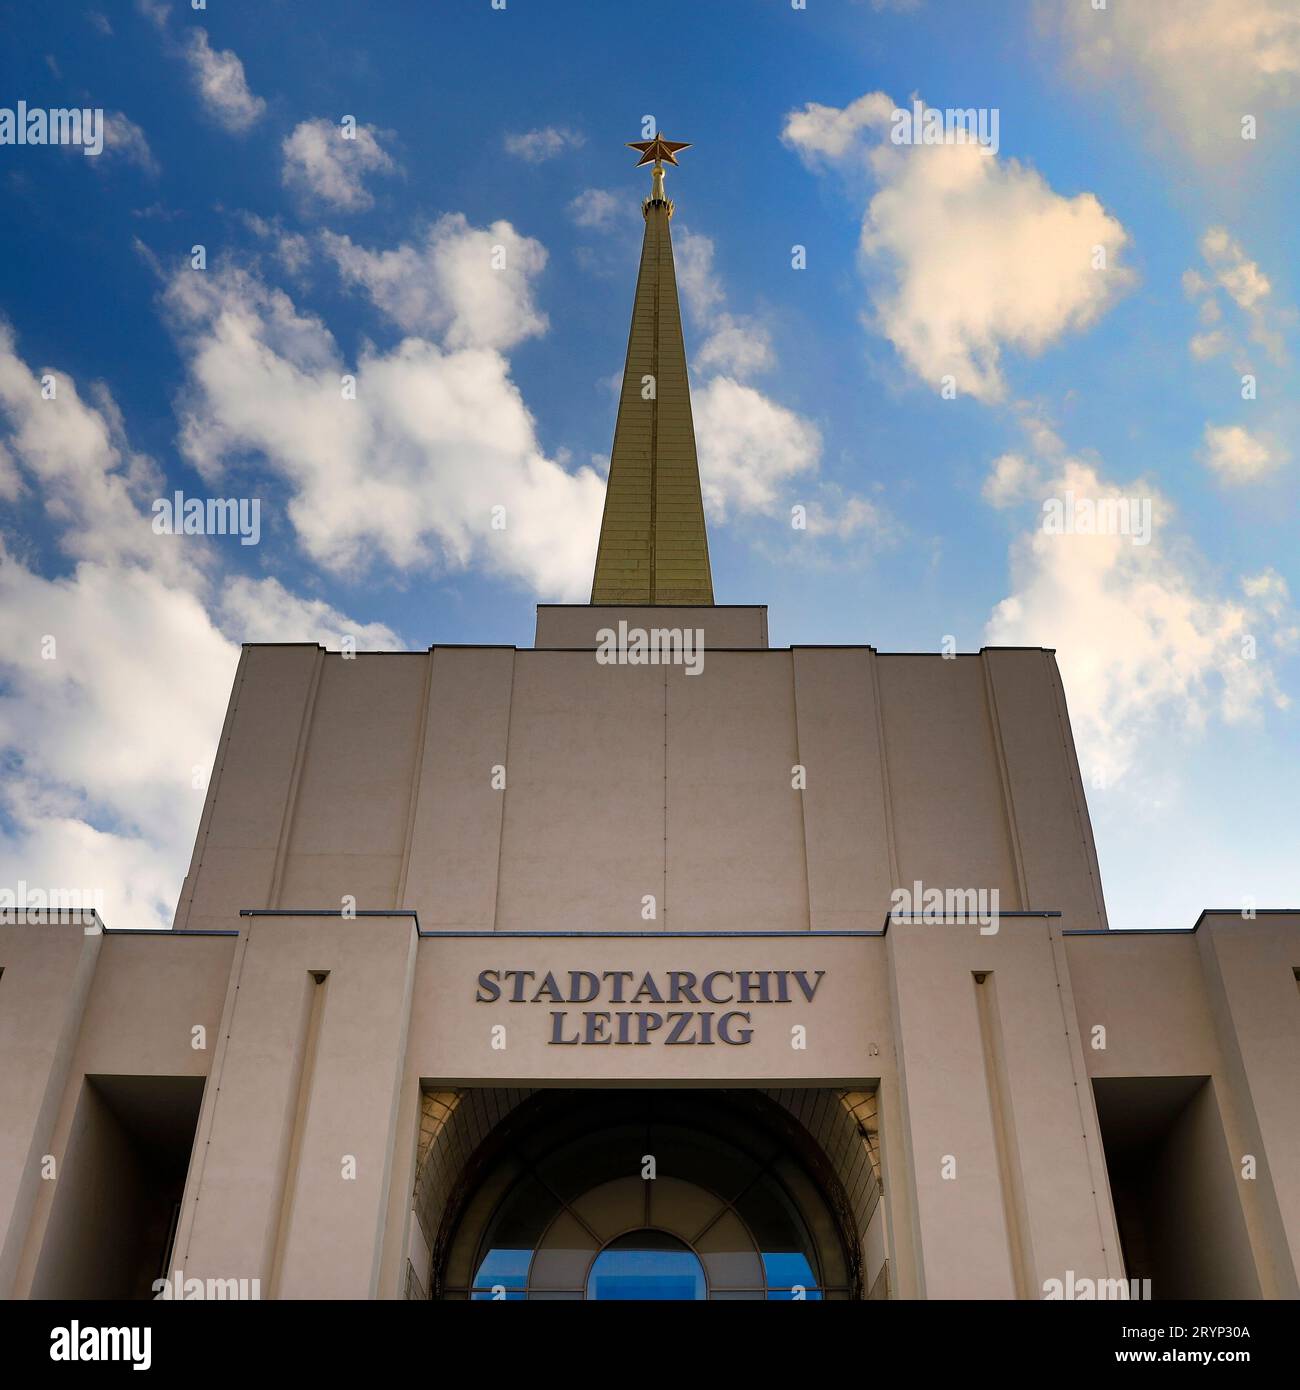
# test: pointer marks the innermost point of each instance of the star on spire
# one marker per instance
(658, 150)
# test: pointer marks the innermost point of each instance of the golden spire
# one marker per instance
(653, 547)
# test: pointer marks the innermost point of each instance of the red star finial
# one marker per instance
(658, 150)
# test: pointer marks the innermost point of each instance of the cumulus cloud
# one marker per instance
(751, 448)
(851, 517)
(536, 146)
(748, 446)
(1271, 595)
(263, 610)
(218, 77)
(1236, 456)
(91, 483)
(969, 254)
(736, 344)
(11, 483)
(1202, 64)
(409, 471)
(599, 209)
(827, 134)
(291, 249)
(1145, 642)
(470, 286)
(124, 140)
(113, 679)
(114, 674)
(324, 165)
(155, 11)
(1228, 272)
(1013, 478)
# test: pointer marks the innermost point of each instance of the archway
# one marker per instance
(647, 1194)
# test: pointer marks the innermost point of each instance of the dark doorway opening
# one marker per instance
(1174, 1186)
(119, 1187)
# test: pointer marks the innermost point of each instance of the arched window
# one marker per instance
(582, 1207)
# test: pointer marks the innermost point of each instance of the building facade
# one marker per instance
(650, 961)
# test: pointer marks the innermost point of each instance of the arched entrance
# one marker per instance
(649, 1195)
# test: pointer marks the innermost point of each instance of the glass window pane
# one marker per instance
(505, 1266)
(564, 1257)
(646, 1265)
(522, 1217)
(587, 1161)
(681, 1207)
(729, 1255)
(614, 1207)
(702, 1159)
(776, 1225)
(818, 1219)
(465, 1248)
(785, 1269)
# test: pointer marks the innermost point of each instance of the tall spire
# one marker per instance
(653, 547)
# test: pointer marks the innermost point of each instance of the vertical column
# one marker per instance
(296, 1142)
(1003, 1146)
(1250, 977)
(235, 860)
(847, 840)
(455, 847)
(47, 972)
(1046, 806)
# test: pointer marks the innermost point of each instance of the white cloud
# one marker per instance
(697, 281)
(1272, 595)
(263, 610)
(91, 483)
(11, 483)
(219, 79)
(408, 472)
(535, 146)
(749, 446)
(1202, 64)
(737, 345)
(101, 735)
(472, 286)
(1228, 269)
(599, 209)
(1013, 479)
(291, 249)
(100, 22)
(1144, 641)
(970, 254)
(123, 139)
(155, 11)
(1237, 456)
(322, 165)
(851, 516)
(1203, 346)
(831, 133)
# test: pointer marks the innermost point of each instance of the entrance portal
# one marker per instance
(646, 1195)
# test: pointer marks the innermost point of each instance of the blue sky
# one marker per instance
(481, 128)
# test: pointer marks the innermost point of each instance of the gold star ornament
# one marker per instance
(658, 150)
